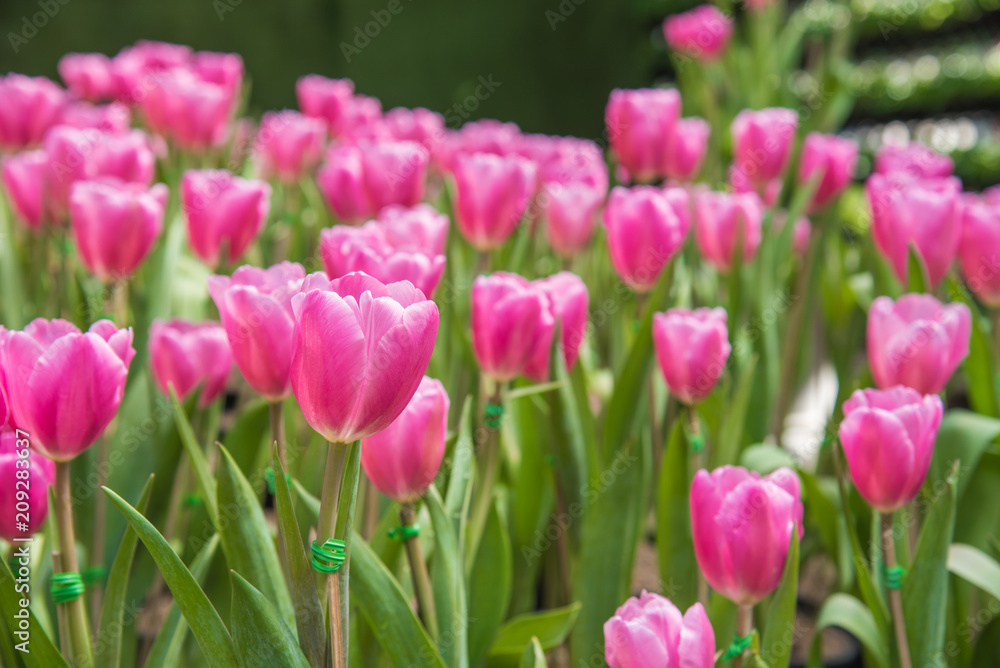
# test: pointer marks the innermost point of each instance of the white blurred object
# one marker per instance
(806, 421)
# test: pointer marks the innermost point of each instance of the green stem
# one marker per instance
(744, 627)
(895, 600)
(421, 579)
(81, 653)
(277, 416)
(481, 505)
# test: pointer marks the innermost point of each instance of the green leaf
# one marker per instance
(382, 601)
(244, 438)
(978, 515)
(727, 445)
(980, 365)
(109, 646)
(261, 638)
(534, 656)
(489, 587)
(10, 277)
(964, 436)
(43, 654)
(309, 617)
(550, 628)
(925, 590)
(448, 580)
(765, 458)
(462, 458)
(674, 547)
(916, 271)
(976, 567)
(987, 646)
(206, 625)
(848, 613)
(198, 461)
(779, 630)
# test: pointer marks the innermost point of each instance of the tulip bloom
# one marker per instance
(327, 99)
(742, 525)
(834, 159)
(723, 218)
(88, 76)
(646, 227)
(512, 324)
(114, 118)
(24, 180)
(701, 33)
(641, 124)
(762, 144)
(916, 341)
(482, 136)
(31, 105)
(926, 214)
(423, 126)
(888, 439)
(290, 145)
(650, 631)
(39, 473)
(115, 225)
(63, 386)
(222, 209)
(692, 348)
(255, 306)
(403, 459)
(191, 111)
(223, 69)
(977, 252)
(913, 160)
(188, 356)
(421, 227)
(687, 149)
(568, 302)
(492, 193)
(135, 68)
(570, 213)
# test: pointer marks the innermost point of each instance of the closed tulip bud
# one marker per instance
(189, 356)
(888, 439)
(420, 227)
(482, 136)
(222, 210)
(187, 109)
(924, 214)
(701, 33)
(977, 252)
(512, 323)
(223, 69)
(762, 144)
(492, 193)
(649, 630)
(34, 473)
(115, 225)
(570, 213)
(114, 118)
(722, 220)
(327, 99)
(128, 157)
(742, 525)
(917, 341)
(88, 76)
(833, 159)
(640, 125)
(359, 181)
(64, 387)
(24, 181)
(687, 149)
(290, 145)
(359, 351)
(568, 302)
(255, 306)
(31, 105)
(692, 348)
(914, 161)
(646, 227)
(423, 126)
(135, 68)
(403, 459)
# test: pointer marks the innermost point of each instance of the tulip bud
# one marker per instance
(191, 111)
(762, 144)
(189, 356)
(742, 525)
(650, 631)
(222, 209)
(24, 180)
(693, 348)
(114, 118)
(88, 75)
(722, 219)
(492, 193)
(421, 227)
(888, 439)
(568, 302)
(977, 252)
(31, 105)
(23, 470)
(916, 341)
(570, 212)
(135, 69)
(687, 149)
(223, 69)
(914, 161)
(701, 33)
(646, 227)
(290, 145)
(640, 125)
(423, 126)
(327, 99)
(403, 459)
(834, 159)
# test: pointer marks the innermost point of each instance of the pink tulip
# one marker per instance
(640, 125)
(512, 324)
(223, 69)
(888, 439)
(568, 303)
(913, 160)
(136, 68)
(255, 307)
(359, 181)
(31, 105)
(701, 33)
(650, 631)
(367, 248)
(482, 136)
(566, 160)
(113, 118)
(23, 470)
(63, 386)
(742, 525)
(222, 209)
(190, 356)
(762, 143)
(334, 101)
(88, 76)
(359, 351)
(403, 459)
(916, 341)
(187, 109)
(645, 229)
(115, 225)
(421, 228)
(492, 193)
(687, 148)
(977, 252)
(290, 145)
(834, 159)
(570, 213)
(423, 126)
(925, 214)
(24, 180)
(723, 218)
(693, 349)
(992, 195)
(801, 231)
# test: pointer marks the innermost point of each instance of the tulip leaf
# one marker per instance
(962, 436)
(459, 481)
(779, 629)
(198, 461)
(727, 445)
(309, 615)
(548, 628)
(980, 364)
(109, 647)
(244, 438)
(916, 271)
(976, 567)
(10, 277)
(489, 586)
(448, 580)
(925, 589)
(534, 656)
(381, 600)
(765, 458)
(675, 549)
(206, 625)
(987, 646)
(848, 613)
(978, 514)
(43, 654)
(261, 638)
(246, 537)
